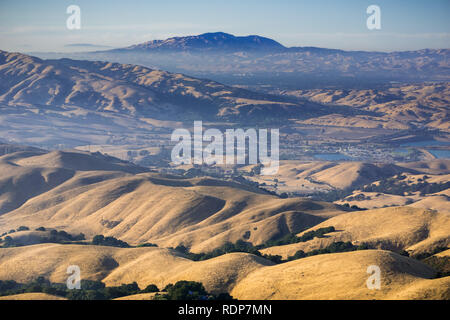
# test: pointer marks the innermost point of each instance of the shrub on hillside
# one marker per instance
(101, 240)
(150, 288)
(187, 290)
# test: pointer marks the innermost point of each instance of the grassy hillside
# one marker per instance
(343, 276)
(397, 229)
(73, 192)
(201, 213)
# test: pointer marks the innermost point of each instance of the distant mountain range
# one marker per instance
(258, 60)
(135, 90)
(80, 101)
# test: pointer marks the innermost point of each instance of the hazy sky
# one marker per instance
(405, 24)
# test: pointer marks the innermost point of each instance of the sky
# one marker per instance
(40, 26)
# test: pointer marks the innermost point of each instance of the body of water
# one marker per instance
(440, 154)
(426, 143)
(331, 156)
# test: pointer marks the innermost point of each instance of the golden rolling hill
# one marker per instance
(435, 201)
(344, 276)
(438, 201)
(32, 296)
(200, 213)
(313, 176)
(399, 228)
(139, 296)
(115, 266)
(397, 106)
(245, 276)
(80, 192)
(437, 166)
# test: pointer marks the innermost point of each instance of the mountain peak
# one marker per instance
(212, 41)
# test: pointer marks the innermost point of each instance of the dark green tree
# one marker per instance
(150, 288)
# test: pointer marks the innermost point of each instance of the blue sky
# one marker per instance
(405, 24)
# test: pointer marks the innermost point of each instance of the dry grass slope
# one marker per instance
(201, 213)
(343, 276)
(115, 266)
(32, 296)
(399, 228)
(328, 276)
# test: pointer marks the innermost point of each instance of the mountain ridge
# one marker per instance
(132, 89)
(223, 40)
(210, 41)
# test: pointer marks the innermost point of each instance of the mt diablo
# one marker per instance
(211, 41)
(254, 59)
